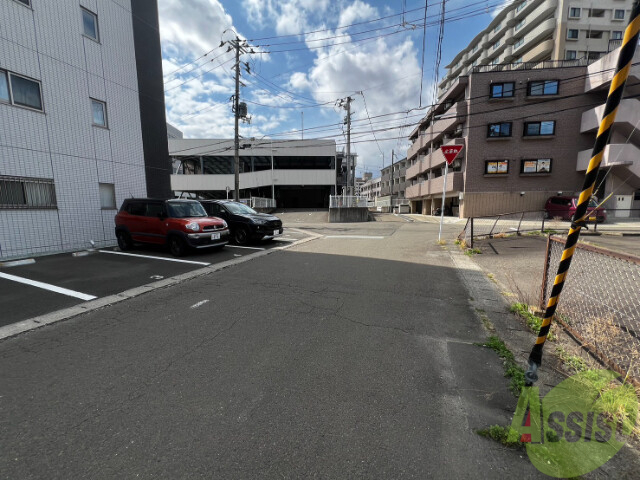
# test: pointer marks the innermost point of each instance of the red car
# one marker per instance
(179, 224)
(565, 207)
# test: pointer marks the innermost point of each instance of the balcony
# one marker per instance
(615, 155)
(420, 142)
(414, 170)
(456, 114)
(628, 115)
(455, 183)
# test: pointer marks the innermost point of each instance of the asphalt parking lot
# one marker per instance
(59, 281)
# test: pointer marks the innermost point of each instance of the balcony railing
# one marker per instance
(455, 183)
(505, 67)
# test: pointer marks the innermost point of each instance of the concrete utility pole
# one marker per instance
(239, 109)
(346, 104)
(391, 194)
(236, 110)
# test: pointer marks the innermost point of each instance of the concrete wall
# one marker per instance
(348, 215)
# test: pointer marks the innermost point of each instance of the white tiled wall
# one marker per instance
(46, 43)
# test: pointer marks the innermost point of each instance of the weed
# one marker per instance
(492, 277)
(511, 369)
(458, 242)
(533, 321)
(507, 436)
(472, 251)
(442, 242)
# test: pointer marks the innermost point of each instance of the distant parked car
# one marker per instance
(565, 206)
(245, 223)
(179, 224)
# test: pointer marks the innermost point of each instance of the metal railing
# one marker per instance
(259, 202)
(600, 304)
(506, 67)
(503, 224)
(343, 201)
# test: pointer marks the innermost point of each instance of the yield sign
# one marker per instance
(450, 152)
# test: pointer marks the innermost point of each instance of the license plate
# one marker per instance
(592, 219)
(215, 236)
(276, 233)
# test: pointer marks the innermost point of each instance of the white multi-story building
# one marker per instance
(296, 173)
(82, 118)
(542, 30)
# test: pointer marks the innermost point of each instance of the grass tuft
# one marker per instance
(507, 436)
(511, 369)
(533, 321)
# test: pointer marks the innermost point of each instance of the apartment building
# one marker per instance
(394, 175)
(619, 176)
(540, 30)
(83, 116)
(297, 173)
(371, 188)
(521, 128)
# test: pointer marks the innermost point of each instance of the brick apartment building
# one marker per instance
(521, 132)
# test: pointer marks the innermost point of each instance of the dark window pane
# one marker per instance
(551, 87)
(532, 129)
(4, 87)
(496, 90)
(11, 193)
(99, 117)
(90, 24)
(536, 88)
(26, 92)
(508, 90)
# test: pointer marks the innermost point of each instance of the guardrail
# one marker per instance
(503, 224)
(344, 201)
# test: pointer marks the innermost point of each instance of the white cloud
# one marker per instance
(288, 16)
(357, 11)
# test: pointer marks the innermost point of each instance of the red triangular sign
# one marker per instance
(450, 152)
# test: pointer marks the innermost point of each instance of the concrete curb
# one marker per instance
(24, 326)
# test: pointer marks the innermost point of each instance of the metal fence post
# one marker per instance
(543, 218)
(520, 223)
(471, 246)
(494, 226)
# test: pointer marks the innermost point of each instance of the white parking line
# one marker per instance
(366, 237)
(199, 304)
(47, 286)
(155, 258)
(248, 248)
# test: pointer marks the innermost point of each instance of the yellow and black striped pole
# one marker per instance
(625, 57)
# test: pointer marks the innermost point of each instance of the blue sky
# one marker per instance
(366, 49)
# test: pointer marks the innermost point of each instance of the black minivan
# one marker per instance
(245, 223)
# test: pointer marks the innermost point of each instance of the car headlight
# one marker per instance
(224, 224)
(193, 226)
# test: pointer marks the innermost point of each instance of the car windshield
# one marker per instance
(240, 209)
(186, 209)
(593, 202)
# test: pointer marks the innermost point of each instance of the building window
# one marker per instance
(570, 55)
(496, 29)
(596, 12)
(90, 24)
(539, 129)
(574, 12)
(594, 33)
(475, 48)
(25, 2)
(616, 35)
(618, 15)
(520, 24)
(107, 196)
(99, 112)
(502, 90)
(521, 6)
(18, 192)
(20, 90)
(541, 165)
(496, 167)
(594, 55)
(517, 61)
(519, 43)
(495, 130)
(496, 45)
(572, 34)
(543, 87)
(495, 61)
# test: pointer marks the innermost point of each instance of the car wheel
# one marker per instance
(124, 241)
(241, 236)
(177, 246)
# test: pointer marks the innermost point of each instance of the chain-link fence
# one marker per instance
(600, 302)
(503, 224)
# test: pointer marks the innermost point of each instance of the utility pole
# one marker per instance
(236, 110)
(239, 109)
(346, 104)
(391, 194)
